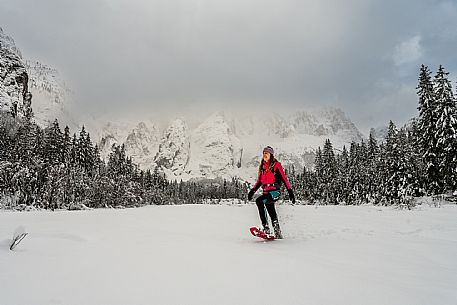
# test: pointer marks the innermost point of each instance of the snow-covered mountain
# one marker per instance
(51, 97)
(215, 149)
(142, 143)
(13, 76)
(227, 144)
(174, 149)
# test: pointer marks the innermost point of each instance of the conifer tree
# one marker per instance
(319, 170)
(74, 151)
(84, 150)
(446, 131)
(373, 168)
(392, 165)
(427, 126)
(329, 172)
(66, 147)
(343, 179)
(354, 173)
(53, 144)
(415, 159)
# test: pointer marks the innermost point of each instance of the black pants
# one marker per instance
(266, 202)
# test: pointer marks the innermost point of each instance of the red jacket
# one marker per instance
(271, 180)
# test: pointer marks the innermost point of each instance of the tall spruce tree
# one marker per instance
(415, 159)
(53, 144)
(393, 165)
(319, 170)
(446, 131)
(354, 173)
(343, 175)
(66, 147)
(74, 151)
(427, 127)
(405, 168)
(373, 169)
(329, 172)
(84, 149)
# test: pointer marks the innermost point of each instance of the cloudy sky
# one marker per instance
(156, 55)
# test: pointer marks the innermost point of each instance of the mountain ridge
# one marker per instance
(224, 145)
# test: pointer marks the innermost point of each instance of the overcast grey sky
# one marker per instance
(360, 55)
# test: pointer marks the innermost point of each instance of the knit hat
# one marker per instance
(269, 149)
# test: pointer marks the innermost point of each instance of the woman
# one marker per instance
(270, 177)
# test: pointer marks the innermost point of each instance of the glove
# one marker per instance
(291, 196)
(250, 194)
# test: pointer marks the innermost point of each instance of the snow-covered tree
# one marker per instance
(328, 173)
(53, 144)
(427, 125)
(445, 131)
(66, 147)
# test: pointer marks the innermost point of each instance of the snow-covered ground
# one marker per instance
(205, 255)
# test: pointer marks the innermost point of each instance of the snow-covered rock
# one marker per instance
(51, 97)
(215, 149)
(174, 149)
(13, 76)
(142, 144)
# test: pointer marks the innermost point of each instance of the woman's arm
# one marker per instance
(283, 176)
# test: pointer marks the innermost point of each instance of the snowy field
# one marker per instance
(205, 255)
